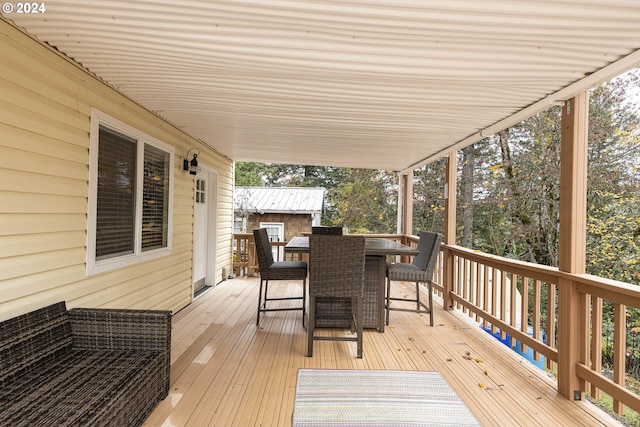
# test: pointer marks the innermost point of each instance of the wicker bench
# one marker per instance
(83, 367)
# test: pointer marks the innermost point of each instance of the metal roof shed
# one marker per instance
(279, 200)
(292, 200)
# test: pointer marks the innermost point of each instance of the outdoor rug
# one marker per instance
(357, 398)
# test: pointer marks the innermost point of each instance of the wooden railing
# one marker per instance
(523, 300)
(244, 254)
(594, 290)
(507, 296)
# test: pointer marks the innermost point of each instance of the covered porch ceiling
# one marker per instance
(387, 84)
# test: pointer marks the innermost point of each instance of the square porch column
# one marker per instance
(572, 242)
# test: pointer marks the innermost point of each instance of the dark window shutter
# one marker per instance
(115, 225)
(155, 199)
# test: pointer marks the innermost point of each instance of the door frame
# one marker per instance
(211, 193)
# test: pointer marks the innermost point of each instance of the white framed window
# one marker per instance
(275, 231)
(130, 195)
(201, 191)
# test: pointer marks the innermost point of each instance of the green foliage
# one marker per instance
(428, 197)
(613, 214)
(366, 201)
(517, 175)
(613, 242)
(249, 174)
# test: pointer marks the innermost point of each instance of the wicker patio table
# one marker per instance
(376, 251)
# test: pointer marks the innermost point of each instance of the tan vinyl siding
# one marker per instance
(225, 222)
(45, 119)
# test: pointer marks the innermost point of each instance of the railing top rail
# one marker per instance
(609, 289)
(536, 271)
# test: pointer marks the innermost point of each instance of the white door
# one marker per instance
(204, 229)
(275, 231)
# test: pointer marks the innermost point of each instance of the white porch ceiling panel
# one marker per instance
(375, 84)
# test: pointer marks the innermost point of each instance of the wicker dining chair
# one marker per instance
(280, 270)
(336, 270)
(419, 271)
(330, 231)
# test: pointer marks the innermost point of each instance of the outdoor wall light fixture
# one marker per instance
(191, 165)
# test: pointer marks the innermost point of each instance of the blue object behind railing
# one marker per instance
(528, 354)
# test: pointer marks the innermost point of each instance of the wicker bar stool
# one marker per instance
(336, 270)
(281, 270)
(419, 271)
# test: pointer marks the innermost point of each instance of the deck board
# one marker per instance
(226, 371)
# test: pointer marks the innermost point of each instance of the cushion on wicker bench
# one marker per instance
(48, 376)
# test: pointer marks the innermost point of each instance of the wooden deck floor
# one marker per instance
(228, 372)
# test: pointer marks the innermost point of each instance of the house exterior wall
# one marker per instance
(45, 119)
(294, 225)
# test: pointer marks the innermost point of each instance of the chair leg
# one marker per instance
(388, 299)
(311, 325)
(304, 300)
(420, 306)
(263, 298)
(359, 327)
(354, 315)
(430, 303)
(259, 303)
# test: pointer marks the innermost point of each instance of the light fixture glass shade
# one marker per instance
(193, 165)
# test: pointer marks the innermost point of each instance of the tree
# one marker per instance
(428, 197)
(467, 190)
(514, 206)
(366, 201)
(491, 227)
(282, 175)
(613, 220)
(249, 174)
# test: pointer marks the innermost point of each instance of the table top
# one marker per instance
(372, 246)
